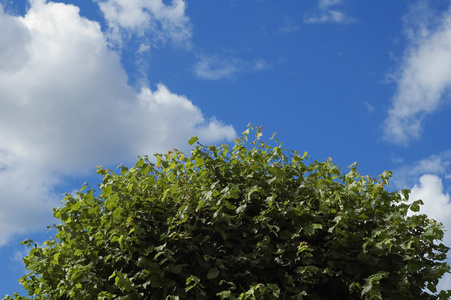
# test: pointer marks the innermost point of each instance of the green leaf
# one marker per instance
(192, 282)
(156, 282)
(285, 235)
(225, 295)
(193, 140)
(75, 206)
(241, 209)
(212, 273)
(415, 206)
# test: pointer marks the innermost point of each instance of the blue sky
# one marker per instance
(84, 83)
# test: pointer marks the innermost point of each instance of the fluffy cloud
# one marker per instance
(66, 107)
(436, 206)
(12, 56)
(423, 79)
(329, 14)
(425, 177)
(148, 16)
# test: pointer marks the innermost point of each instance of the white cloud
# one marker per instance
(437, 206)
(329, 14)
(368, 106)
(289, 26)
(143, 48)
(147, 16)
(153, 21)
(215, 67)
(425, 177)
(66, 107)
(445, 282)
(12, 55)
(165, 109)
(437, 164)
(324, 4)
(423, 79)
(261, 65)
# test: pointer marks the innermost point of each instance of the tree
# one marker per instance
(243, 222)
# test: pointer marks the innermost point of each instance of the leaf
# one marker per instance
(285, 235)
(415, 206)
(193, 279)
(75, 206)
(156, 282)
(84, 186)
(192, 282)
(213, 273)
(193, 140)
(241, 209)
(251, 191)
(117, 212)
(224, 295)
(229, 205)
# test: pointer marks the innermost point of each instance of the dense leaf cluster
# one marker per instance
(241, 222)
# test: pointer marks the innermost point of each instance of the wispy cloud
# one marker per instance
(330, 16)
(368, 106)
(325, 4)
(424, 76)
(329, 13)
(289, 26)
(213, 67)
(260, 65)
(437, 164)
(153, 17)
(155, 21)
(66, 106)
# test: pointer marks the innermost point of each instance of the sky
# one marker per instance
(100, 82)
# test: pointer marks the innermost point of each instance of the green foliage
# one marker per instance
(243, 222)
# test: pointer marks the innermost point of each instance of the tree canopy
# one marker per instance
(244, 221)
